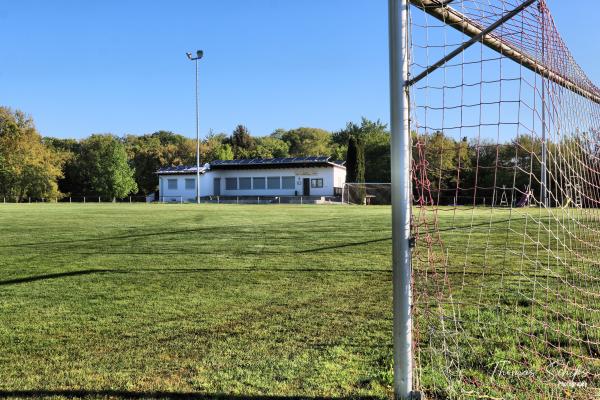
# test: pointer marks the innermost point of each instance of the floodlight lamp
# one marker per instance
(189, 55)
(199, 54)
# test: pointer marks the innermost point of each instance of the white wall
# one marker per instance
(167, 194)
(332, 177)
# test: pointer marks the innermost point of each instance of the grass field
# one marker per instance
(226, 301)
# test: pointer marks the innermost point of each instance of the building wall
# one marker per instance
(331, 177)
(181, 193)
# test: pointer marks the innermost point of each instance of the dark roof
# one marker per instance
(180, 169)
(289, 162)
(256, 163)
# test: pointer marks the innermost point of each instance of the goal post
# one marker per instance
(495, 195)
(401, 198)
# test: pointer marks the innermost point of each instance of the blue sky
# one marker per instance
(82, 67)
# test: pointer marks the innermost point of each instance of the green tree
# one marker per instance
(360, 161)
(104, 166)
(305, 142)
(70, 182)
(352, 160)
(360, 170)
(376, 141)
(241, 142)
(145, 155)
(269, 147)
(216, 147)
(27, 166)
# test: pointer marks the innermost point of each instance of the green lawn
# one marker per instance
(175, 301)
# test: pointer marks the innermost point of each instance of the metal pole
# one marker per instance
(197, 141)
(401, 198)
(544, 179)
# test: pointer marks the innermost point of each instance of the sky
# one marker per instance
(119, 66)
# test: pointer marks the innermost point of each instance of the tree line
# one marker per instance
(33, 166)
(449, 170)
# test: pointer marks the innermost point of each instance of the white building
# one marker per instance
(276, 177)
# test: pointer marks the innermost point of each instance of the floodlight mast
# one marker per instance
(199, 55)
(401, 198)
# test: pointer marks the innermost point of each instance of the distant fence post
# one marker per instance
(98, 199)
(83, 199)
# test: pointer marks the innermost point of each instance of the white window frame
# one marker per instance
(316, 183)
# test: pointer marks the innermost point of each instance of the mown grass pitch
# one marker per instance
(294, 301)
(249, 300)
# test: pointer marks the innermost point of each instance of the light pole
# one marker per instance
(199, 54)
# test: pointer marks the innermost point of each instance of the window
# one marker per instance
(245, 183)
(231, 184)
(172, 184)
(190, 184)
(316, 183)
(288, 182)
(259, 183)
(273, 182)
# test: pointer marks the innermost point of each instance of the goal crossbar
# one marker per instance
(474, 39)
(465, 25)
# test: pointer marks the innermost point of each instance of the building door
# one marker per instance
(306, 186)
(217, 186)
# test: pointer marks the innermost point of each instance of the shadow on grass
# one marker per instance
(58, 275)
(161, 233)
(52, 276)
(75, 394)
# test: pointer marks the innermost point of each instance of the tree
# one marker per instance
(376, 141)
(216, 147)
(145, 155)
(351, 160)
(269, 147)
(70, 181)
(305, 142)
(241, 141)
(360, 161)
(27, 166)
(104, 167)
(150, 152)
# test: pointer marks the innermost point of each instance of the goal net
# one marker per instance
(506, 196)
(367, 193)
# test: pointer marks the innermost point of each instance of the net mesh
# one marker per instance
(367, 193)
(506, 194)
